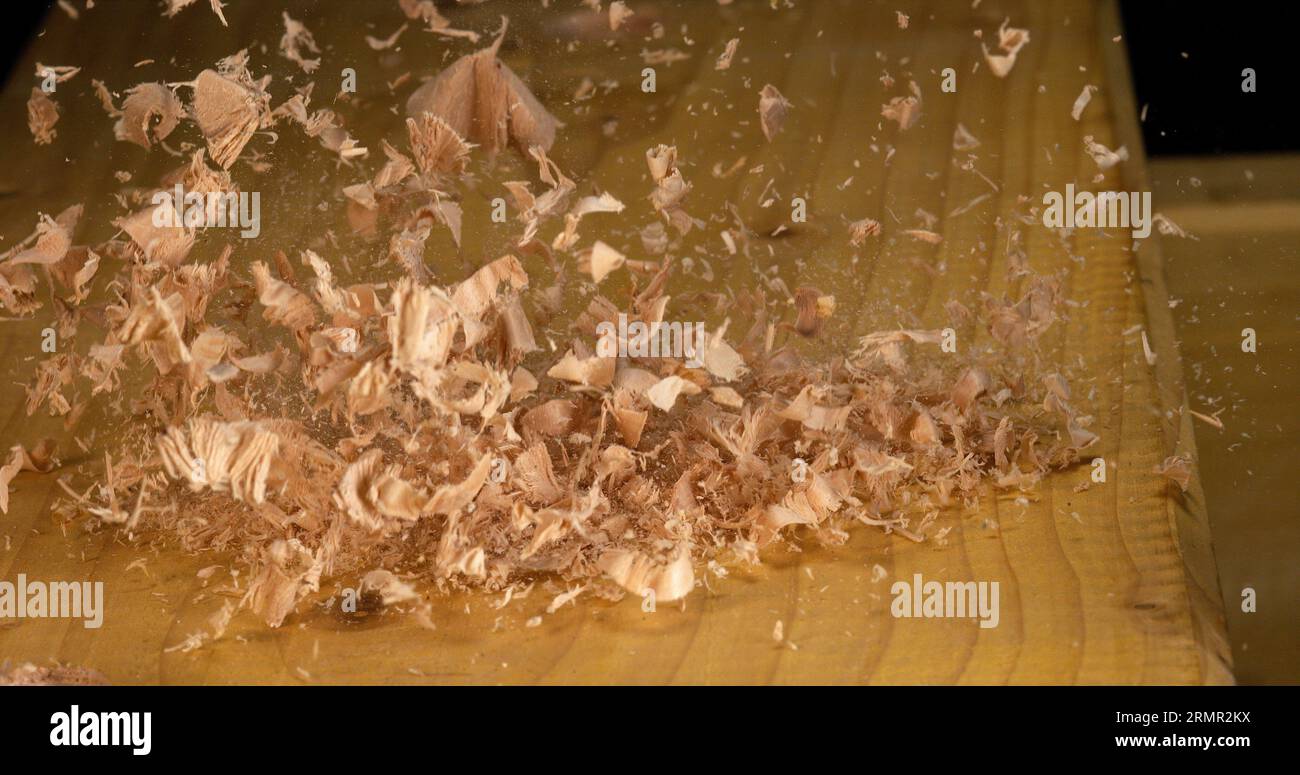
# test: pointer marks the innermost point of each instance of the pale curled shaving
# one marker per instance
(483, 101)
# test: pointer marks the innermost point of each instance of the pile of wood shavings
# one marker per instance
(414, 431)
(27, 674)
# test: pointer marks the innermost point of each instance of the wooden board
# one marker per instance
(1115, 584)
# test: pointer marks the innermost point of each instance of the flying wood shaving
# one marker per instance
(618, 13)
(1168, 227)
(322, 124)
(728, 53)
(813, 308)
(1177, 469)
(772, 111)
(284, 304)
(227, 113)
(1010, 41)
(1082, 101)
(860, 230)
(670, 187)
(381, 44)
(439, 151)
(963, 140)
(1103, 156)
(663, 56)
(42, 115)
(242, 458)
(924, 235)
(482, 100)
(173, 7)
(427, 12)
(905, 110)
(61, 73)
(163, 245)
(40, 459)
(376, 497)
(602, 259)
(1211, 420)
(295, 40)
(605, 203)
(149, 114)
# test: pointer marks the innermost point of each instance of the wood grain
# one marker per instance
(1115, 584)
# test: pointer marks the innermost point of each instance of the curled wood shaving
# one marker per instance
(638, 573)
(149, 114)
(1010, 41)
(42, 115)
(482, 100)
(1177, 469)
(227, 113)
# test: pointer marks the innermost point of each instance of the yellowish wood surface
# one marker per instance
(1094, 587)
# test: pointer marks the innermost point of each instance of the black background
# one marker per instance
(1195, 104)
(333, 729)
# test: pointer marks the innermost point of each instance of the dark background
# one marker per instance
(1194, 103)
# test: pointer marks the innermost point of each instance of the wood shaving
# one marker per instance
(728, 54)
(1081, 102)
(670, 187)
(227, 113)
(772, 111)
(297, 39)
(963, 140)
(149, 114)
(482, 100)
(1177, 469)
(1010, 41)
(1103, 156)
(42, 115)
(383, 44)
(618, 13)
(425, 11)
(905, 110)
(28, 674)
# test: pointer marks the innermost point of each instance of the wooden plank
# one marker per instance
(1188, 515)
(1094, 589)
